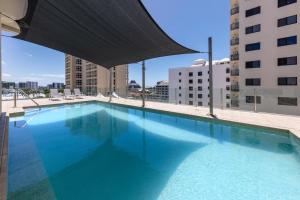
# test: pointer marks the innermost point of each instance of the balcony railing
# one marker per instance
(234, 41)
(234, 57)
(235, 10)
(235, 88)
(234, 26)
(235, 72)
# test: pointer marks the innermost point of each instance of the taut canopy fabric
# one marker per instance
(105, 32)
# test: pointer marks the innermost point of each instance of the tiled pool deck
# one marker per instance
(268, 120)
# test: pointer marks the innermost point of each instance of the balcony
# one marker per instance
(235, 88)
(235, 10)
(234, 41)
(234, 57)
(235, 72)
(234, 26)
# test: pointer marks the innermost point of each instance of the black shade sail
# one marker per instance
(105, 32)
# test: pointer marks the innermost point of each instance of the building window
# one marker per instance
(227, 87)
(282, 3)
(179, 87)
(191, 88)
(250, 99)
(190, 74)
(287, 41)
(200, 96)
(227, 96)
(179, 94)
(191, 81)
(191, 95)
(190, 102)
(179, 73)
(253, 64)
(227, 79)
(253, 11)
(227, 70)
(253, 29)
(179, 102)
(200, 103)
(287, 61)
(287, 81)
(199, 80)
(253, 82)
(199, 73)
(253, 46)
(199, 88)
(287, 101)
(287, 21)
(179, 80)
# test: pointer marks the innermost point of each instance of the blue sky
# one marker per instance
(189, 22)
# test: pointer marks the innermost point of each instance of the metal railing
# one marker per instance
(20, 91)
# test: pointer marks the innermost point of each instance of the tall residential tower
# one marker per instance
(264, 55)
(92, 79)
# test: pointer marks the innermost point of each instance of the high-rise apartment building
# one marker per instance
(93, 79)
(190, 85)
(264, 55)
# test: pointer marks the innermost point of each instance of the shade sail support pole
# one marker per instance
(143, 84)
(211, 95)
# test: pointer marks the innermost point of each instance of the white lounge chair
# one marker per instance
(115, 95)
(77, 93)
(68, 94)
(54, 95)
(100, 95)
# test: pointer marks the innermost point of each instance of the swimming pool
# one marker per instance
(104, 151)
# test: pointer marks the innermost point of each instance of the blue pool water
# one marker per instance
(102, 151)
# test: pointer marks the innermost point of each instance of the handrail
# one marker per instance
(25, 94)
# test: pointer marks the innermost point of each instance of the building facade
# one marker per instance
(162, 90)
(93, 79)
(190, 85)
(264, 55)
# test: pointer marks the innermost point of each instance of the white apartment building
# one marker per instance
(265, 54)
(93, 79)
(190, 85)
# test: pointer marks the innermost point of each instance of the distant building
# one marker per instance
(133, 86)
(8, 85)
(31, 85)
(190, 85)
(56, 86)
(162, 90)
(21, 85)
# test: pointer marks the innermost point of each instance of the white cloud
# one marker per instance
(29, 54)
(53, 75)
(6, 75)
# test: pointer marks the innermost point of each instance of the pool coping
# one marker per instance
(205, 118)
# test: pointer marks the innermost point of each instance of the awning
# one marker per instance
(105, 32)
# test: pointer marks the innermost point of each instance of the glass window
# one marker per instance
(200, 96)
(287, 41)
(288, 101)
(191, 95)
(287, 81)
(253, 46)
(190, 74)
(287, 21)
(253, 64)
(191, 89)
(250, 99)
(253, 11)
(285, 2)
(191, 81)
(253, 82)
(199, 80)
(287, 61)
(199, 73)
(253, 29)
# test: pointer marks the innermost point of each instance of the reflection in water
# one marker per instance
(101, 151)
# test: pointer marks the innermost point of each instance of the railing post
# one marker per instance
(255, 100)
(15, 98)
(222, 99)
